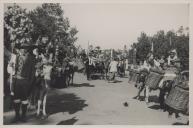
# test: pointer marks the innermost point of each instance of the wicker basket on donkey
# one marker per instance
(178, 97)
(133, 75)
(154, 78)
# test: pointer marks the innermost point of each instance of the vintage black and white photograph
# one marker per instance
(96, 64)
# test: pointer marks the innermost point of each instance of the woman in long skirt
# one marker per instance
(113, 70)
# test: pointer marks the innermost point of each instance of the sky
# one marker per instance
(115, 25)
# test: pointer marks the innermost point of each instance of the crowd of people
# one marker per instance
(163, 75)
(29, 66)
(107, 68)
(153, 73)
(118, 66)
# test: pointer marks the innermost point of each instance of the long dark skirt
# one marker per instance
(112, 76)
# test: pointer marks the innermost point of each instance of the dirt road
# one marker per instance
(98, 102)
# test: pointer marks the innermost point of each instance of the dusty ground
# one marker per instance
(99, 102)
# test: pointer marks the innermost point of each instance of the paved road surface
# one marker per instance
(98, 102)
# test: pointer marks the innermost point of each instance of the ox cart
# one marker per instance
(63, 75)
(97, 70)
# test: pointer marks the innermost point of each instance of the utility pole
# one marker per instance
(88, 47)
(170, 42)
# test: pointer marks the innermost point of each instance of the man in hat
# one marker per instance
(86, 63)
(172, 58)
(22, 80)
(89, 66)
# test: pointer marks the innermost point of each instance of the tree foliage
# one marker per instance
(163, 42)
(143, 46)
(17, 26)
(47, 20)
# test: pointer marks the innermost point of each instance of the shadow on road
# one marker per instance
(67, 102)
(82, 85)
(115, 81)
(141, 98)
(155, 107)
(118, 81)
(178, 123)
(124, 77)
(58, 82)
(154, 99)
(68, 122)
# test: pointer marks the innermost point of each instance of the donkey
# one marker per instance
(68, 70)
(43, 88)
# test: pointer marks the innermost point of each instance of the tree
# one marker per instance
(72, 36)
(17, 26)
(143, 47)
(45, 21)
(163, 43)
(48, 21)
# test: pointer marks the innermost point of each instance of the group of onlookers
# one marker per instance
(163, 75)
(109, 67)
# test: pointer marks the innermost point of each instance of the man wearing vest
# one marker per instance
(22, 80)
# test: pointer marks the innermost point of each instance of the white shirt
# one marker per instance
(126, 64)
(146, 66)
(170, 59)
(113, 66)
(157, 64)
(92, 61)
(47, 71)
(11, 65)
